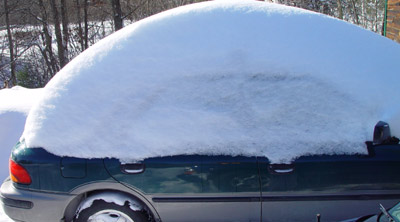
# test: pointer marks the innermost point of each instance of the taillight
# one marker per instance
(18, 173)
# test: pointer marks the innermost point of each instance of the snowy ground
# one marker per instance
(14, 107)
(3, 216)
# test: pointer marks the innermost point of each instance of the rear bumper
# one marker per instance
(16, 203)
(32, 206)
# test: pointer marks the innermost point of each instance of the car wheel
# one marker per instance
(101, 211)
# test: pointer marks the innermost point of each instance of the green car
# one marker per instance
(229, 78)
(46, 187)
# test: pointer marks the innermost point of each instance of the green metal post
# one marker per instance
(385, 18)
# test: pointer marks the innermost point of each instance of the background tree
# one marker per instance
(60, 40)
(117, 14)
(7, 11)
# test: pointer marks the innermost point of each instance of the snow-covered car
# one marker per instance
(215, 112)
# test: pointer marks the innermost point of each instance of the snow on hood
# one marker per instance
(222, 77)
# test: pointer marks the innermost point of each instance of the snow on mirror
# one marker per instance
(222, 77)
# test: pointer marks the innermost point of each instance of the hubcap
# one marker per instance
(110, 216)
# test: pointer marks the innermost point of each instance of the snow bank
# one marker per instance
(222, 77)
(15, 104)
(18, 99)
(4, 217)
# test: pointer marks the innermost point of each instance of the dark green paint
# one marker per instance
(191, 174)
(161, 175)
(338, 173)
(216, 174)
(230, 174)
(48, 174)
(73, 167)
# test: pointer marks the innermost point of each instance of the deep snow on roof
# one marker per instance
(222, 77)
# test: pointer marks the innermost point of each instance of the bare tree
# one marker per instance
(47, 52)
(80, 30)
(340, 9)
(60, 46)
(10, 42)
(65, 31)
(85, 19)
(355, 13)
(117, 14)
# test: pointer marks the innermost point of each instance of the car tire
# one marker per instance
(104, 211)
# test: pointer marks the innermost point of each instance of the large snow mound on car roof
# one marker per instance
(222, 77)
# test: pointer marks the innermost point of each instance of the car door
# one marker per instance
(337, 187)
(198, 188)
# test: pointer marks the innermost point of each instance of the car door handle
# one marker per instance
(283, 171)
(133, 168)
(281, 168)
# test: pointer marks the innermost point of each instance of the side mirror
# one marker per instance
(382, 134)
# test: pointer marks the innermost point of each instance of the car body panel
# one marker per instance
(338, 172)
(46, 206)
(191, 174)
(212, 207)
(162, 175)
(72, 167)
(197, 184)
(330, 185)
(215, 188)
(51, 173)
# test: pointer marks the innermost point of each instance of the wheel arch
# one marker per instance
(84, 192)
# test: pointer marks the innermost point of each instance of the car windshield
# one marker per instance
(394, 213)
